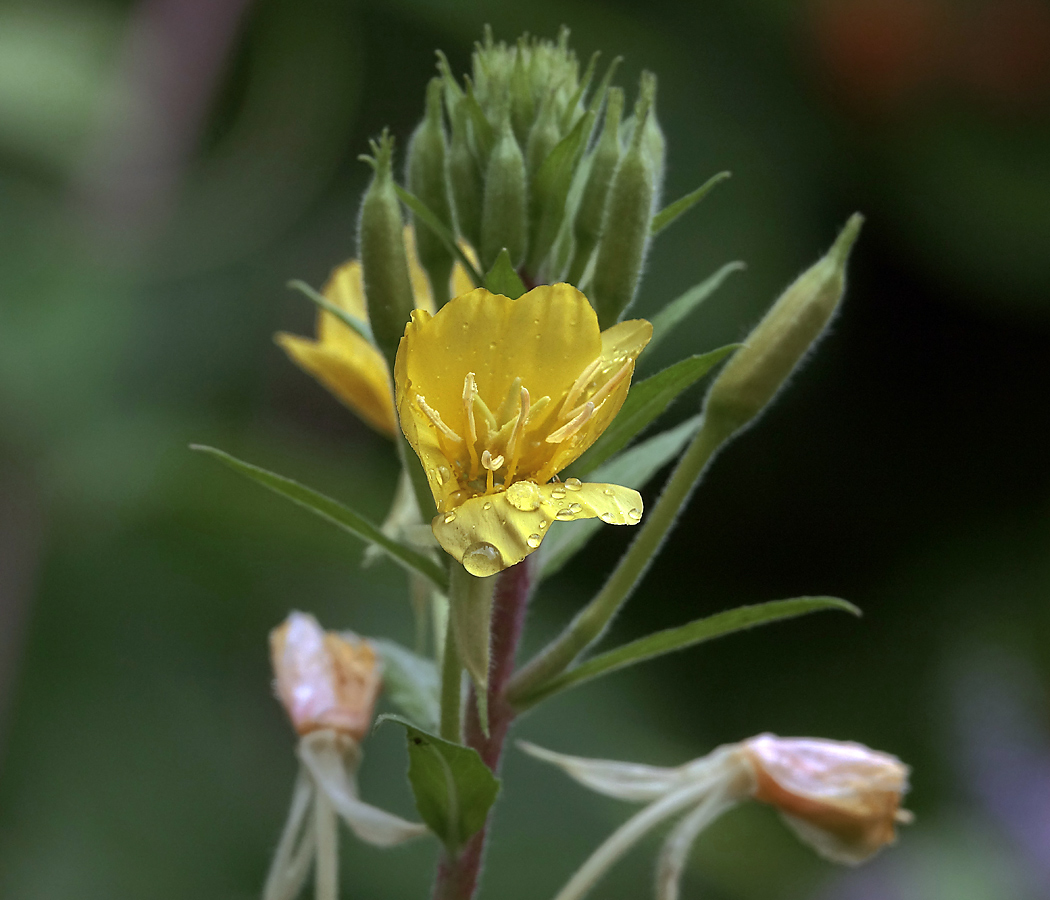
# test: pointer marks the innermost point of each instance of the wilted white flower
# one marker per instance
(841, 798)
(328, 684)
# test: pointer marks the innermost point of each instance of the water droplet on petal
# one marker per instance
(533, 540)
(524, 495)
(575, 508)
(482, 559)
(558, 494)
(487, 505)
(608, 492)
(608, 518)
(450, 517)
(633, 514)
(564, 514)
(543, 525)
(443, 474)
(573, 484)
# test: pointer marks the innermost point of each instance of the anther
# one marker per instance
(578, 386)
(599, 395)
(436, 421)
(572, 426)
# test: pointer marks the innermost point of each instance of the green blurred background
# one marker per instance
(165, 168)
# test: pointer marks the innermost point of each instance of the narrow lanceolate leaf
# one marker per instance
(428, 218)
(633, 468)
(673, 639)
(647, 400)
(671, 316)
(454, 789)
(334, 512)
(348, 319)
(411, 683)
(669, 213)
(502, 279)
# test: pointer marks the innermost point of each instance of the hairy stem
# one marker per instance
(457, 878)
(451, 689)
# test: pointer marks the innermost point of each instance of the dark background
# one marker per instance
(166, 167)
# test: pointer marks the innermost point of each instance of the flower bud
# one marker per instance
(426, 178)
(324, 680)
(839, 797)
(543, 137)
(587, 226)
(504, 207)
(465, 177)
(757, 371)
(388, 287)
(628, 213)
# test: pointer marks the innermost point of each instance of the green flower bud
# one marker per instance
(504, 207)
(543, 137)
(522, 102)
(587, 226)
(757, 371)
(465, 178)
(426, 178)
(381, 248)
(628, 213)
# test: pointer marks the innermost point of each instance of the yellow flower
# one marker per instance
(343, 361)
(497, 396)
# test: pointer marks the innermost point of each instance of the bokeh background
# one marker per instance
(167, 165)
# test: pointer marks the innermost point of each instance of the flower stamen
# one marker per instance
(578, 386)
(470, 391)
(599, 396)
(435, 419)
(513, 449)
(573, 425)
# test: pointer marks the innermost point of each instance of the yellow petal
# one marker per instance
(355, 374)
(491, 532)
(621, 346)
(546, 338)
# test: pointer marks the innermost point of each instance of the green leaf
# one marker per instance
(550, 189)
(454, 789)
(669, 318)
(647, 400)
(672, 639)
(427, 217)
(334, 512)
(632, 468)
(410, 682)
(669, 213)
(349, 319)
(502, 279)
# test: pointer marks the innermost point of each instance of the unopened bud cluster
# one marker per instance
(529, 155)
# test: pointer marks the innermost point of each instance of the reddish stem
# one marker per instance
(457, 878)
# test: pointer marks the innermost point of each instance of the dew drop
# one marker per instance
(608, 492)
(533, 540)
(450, 517)
(524, 495)
(558, 494)
(608, 518)
(633, 514)
(573, 484)
(482, 559)
(443, 474)
(564, 514)
(543, 526)
(487, 505)
(575, 508)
